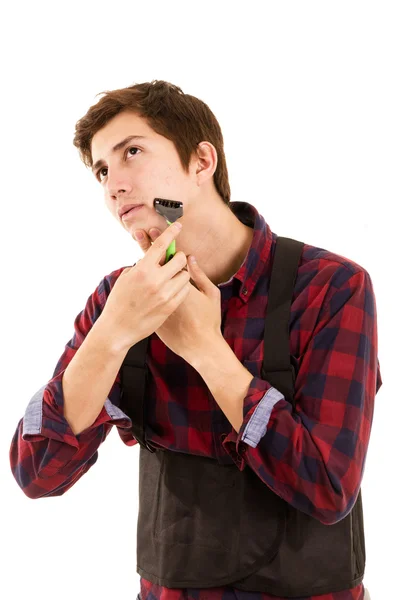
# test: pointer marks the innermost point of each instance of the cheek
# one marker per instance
(168, 177)
(174, 178)
(109, 204)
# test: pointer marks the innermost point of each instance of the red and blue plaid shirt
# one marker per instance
(313, 458)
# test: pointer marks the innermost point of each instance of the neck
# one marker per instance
(214, 235)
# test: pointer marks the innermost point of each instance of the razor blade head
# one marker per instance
(170, 209)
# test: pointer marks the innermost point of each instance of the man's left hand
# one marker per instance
(192, 327)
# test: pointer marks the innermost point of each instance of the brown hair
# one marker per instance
(179, 117)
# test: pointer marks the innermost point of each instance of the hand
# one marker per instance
(196, 321)
(146, 294)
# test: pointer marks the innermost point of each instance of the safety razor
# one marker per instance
(171, 210)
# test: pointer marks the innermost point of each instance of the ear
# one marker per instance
(207, 161)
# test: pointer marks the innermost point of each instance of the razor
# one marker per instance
(171, 210)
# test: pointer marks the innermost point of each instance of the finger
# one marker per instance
(160, 245)
(147, 239)
(154, 233)
(144, 242)
(203, 283)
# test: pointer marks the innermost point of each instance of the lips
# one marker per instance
(126, 208)
(131, 213)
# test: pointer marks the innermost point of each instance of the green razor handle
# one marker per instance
(171, 250)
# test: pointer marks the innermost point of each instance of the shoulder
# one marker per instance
(324, 274)
(325, 264)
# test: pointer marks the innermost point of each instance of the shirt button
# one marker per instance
(245, 291)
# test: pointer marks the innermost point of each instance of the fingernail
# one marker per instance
(138, 235)
(154, 233)
(178, 224)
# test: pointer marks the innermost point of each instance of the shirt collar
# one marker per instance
(256, 262)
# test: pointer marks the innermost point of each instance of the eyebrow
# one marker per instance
(116, 148)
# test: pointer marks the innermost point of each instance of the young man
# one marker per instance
(206, 397)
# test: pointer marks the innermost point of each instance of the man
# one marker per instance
(206, 341)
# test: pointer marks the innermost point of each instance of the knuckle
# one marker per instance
(140, 272)
(176, 300)
(164, 296)
(161, 244)
(140, 267)
(186, 291)
(152, 286)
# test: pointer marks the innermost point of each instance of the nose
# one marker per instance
(118, 183)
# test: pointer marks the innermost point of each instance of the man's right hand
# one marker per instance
(145, 295)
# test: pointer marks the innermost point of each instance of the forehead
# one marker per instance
(122, 125)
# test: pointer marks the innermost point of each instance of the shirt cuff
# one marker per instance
(258, 405)
(44, 416)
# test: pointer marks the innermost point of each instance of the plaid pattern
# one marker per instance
(313, 458)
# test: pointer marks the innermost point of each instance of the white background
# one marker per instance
(305, 93)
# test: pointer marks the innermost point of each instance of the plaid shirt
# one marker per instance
(313, 458)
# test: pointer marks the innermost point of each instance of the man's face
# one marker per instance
(140, 171)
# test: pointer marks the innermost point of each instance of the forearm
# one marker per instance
(227, 379)
(89, 377)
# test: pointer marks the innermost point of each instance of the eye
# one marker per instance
(100, 171)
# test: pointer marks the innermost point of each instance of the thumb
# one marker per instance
(200, 278)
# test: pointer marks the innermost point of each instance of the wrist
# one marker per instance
(105, 333)
(209, 352)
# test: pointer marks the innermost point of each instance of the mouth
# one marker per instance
(131, 212)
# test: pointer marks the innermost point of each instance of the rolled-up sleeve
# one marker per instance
(46, 457)
(314, 456)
